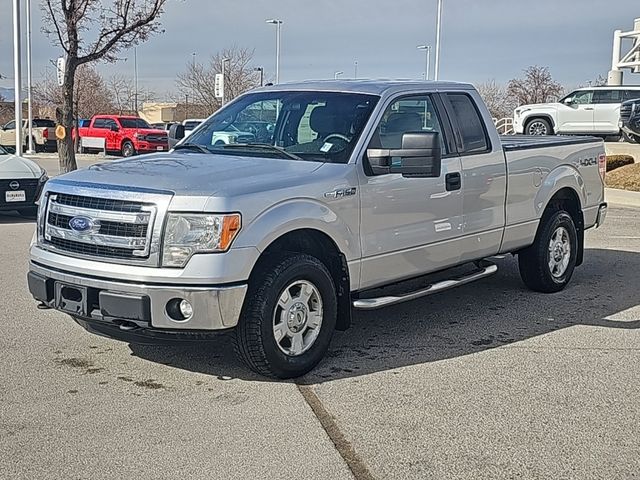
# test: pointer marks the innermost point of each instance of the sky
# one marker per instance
(481, 39)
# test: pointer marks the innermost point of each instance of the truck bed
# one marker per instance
(525, 142)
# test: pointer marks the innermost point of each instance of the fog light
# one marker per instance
(186, 309)
(179, 310)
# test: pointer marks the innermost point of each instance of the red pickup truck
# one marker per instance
(124, 135)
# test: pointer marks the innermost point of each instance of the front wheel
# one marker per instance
(539, 126)
(548, 264)
(128, 149)
(630, 138)
(288, 317)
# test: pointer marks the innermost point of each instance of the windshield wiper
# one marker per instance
(192, 146)
(263, 146)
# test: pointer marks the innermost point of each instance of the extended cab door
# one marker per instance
(575, 113)
(607, 110)
(484, 175)
(409, 225)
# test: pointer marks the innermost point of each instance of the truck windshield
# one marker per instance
(133, 123)
(316, 126)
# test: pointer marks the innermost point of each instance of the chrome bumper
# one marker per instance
(214, 307)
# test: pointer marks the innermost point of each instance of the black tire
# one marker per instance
(538, 126)
(630, 138)
(127, 150)
(255, 341)
(534, 261)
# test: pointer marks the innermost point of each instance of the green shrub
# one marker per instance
(617, 161)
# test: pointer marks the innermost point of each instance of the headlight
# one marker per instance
(140, 136)
(44, 177)
(190, 233)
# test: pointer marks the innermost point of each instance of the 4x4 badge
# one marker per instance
(341, 192)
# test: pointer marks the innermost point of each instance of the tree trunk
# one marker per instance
(66, 152)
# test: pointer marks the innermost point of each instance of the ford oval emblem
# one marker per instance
(81, 224)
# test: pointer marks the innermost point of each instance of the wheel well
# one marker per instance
(567, 199)
(320, 245)
(539, 117)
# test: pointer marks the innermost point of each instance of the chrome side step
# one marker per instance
(486, 268)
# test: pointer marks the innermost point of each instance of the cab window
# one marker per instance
(581, 97)
(407, 115)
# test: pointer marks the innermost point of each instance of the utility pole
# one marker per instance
(438, 28)
(17, 73)
(30, 148)
(135, 81)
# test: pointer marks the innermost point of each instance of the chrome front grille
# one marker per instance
(99, 227)
(625, 112)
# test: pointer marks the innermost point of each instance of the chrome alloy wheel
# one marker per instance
(537, 128)
(559, 252)
(297, 318)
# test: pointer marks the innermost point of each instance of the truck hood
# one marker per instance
(196, 174)
(539, 106)
(12, 166)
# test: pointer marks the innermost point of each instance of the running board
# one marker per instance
(486, 268)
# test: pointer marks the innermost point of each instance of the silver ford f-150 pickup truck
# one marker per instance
(354, 185)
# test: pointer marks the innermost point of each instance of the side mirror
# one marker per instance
(568, 101)
(420, 156)
(176, 133)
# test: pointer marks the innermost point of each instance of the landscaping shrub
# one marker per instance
(617, 161)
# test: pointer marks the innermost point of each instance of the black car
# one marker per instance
(630, 120)
(21, 181)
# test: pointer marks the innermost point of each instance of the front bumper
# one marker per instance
(152, 147)
(134, 308)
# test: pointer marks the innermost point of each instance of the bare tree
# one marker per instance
(91, 95)
(499, 103)
(537, 86)
(124, 95)
(198, 81)
(117, 25)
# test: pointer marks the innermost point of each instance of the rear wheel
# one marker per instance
(288, 317)
(128, 149)
(548, 264)
(538, 126)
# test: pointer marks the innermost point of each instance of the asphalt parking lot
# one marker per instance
(486, 381)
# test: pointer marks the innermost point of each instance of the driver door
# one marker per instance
(576, 113)
(410, 225)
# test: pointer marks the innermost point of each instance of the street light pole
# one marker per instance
(336, 75)
(278, 23)
(261, 70)
(29, 79)
(17, 73)
(438, 28)
(427, 49)
(355, 69)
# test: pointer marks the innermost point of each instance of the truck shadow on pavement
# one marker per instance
(474, 318)
(10, 217)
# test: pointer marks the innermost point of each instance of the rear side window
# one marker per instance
(608, 96)
(470, 125)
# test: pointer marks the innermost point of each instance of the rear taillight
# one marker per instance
(602, 165)
(45, 133)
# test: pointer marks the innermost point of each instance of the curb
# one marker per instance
(616, 196)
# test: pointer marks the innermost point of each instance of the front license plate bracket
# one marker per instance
(71, 299)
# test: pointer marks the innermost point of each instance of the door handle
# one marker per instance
(453, 181)
(588, 108)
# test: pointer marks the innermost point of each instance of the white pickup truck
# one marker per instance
(357, 185)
